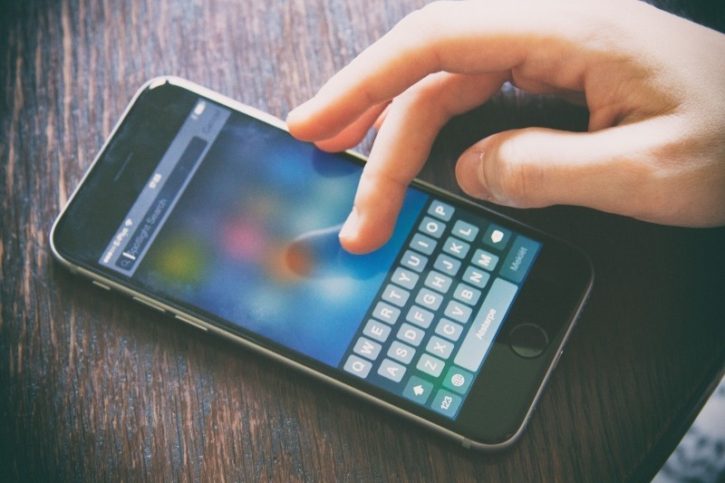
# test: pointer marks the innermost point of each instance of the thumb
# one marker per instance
(537, 167)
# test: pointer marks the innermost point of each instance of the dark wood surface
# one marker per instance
(93, 387)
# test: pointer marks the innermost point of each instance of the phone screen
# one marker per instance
(241, 221)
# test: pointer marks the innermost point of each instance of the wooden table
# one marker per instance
(93, 387)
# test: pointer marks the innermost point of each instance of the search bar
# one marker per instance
(160, 205)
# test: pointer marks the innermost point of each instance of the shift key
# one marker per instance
(485, 326)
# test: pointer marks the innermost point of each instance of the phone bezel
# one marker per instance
(335, 376)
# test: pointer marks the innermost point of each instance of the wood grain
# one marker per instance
(94, 388)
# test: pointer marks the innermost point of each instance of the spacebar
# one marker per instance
(485, 326)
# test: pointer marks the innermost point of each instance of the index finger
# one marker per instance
(457, 37)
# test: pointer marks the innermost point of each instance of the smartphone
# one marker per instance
(209, 211)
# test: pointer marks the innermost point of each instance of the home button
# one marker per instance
(528, 340)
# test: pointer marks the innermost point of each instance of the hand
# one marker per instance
(654, 85)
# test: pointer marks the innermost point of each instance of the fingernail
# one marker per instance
(469, 172)
(351, 226)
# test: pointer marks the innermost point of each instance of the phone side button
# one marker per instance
(190, 322)
(149, 304)
(100, 285)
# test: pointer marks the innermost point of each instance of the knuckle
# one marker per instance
(652, 188)
(377, 181)
(413, 21)
(428, 98)
(424, 18)
(425, 92)
(645, 187)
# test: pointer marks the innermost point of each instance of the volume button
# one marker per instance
(190, 322)
(100, 285)
(149, 304)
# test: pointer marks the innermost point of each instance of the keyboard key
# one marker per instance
(367, 348)
(401, 352)
(441, 210)
(467, 294)
(456, 247)
(418, 390)
(429, 299)
(432, 227)
(447, 265)
(476, 277)
(458, 312)
(387, 313)
(446, 403)
(419, 316)
(405, 278)
(449, 330)
(430, 365)
(520, 258)
(413, 261)
(465, 230)
(497, 237)
(395, 295)
(438, 281)
(411, 335)
(423, 244)
(391, 370)
(485, 260)
(439, 347)
(458, 380)
(485, 325)
(358, 366)
(376, 330)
